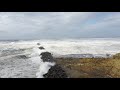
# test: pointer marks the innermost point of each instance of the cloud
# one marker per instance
(106, 22)
(36, 25)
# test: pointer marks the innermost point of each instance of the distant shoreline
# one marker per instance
(85, 56)
(59, 39)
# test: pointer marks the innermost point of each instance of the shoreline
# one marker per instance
(91, 67)
(79, 56)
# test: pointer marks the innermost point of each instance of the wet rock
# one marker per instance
(38, 43)
(41, 48)
(56, 72)
(47, 57)
(108, 55)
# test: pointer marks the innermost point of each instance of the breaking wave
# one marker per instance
(43, 66)
(65, 47)
(18, 57)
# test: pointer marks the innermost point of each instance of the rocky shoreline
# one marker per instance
(91, 67)
(69, 67)
(84, 56)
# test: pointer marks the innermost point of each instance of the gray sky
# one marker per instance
(52, 25)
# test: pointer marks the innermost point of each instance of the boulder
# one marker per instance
(47, 57)
(41, 48)
(56, 72)
(38, 43)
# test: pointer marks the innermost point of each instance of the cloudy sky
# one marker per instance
(52, 25)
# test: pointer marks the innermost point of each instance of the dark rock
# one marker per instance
(108, 55)
(47, 57)
(41, 48)
(56, 72)
(38, 43)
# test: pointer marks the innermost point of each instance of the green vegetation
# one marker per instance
(92, 67)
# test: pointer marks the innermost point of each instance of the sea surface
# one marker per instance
(20, 58)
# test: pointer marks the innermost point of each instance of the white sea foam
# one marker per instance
(26, 67)
(83, 46)
(43, 69)
(64, 47)
(43, 66)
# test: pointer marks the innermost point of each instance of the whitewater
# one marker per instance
(21, 59)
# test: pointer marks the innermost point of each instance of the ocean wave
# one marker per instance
(43, 66)
(22, 58)
(64, 47)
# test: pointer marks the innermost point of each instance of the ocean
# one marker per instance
(20, 58)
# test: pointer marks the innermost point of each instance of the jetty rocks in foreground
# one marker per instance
(47, 57)
(55, 71)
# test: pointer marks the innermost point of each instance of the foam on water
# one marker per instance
(43, 66)
(14, 67)
(43, 69)
(83, 46)
(64, 47)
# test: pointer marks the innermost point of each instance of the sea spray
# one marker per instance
(43, 69)
(9, 53)
(43, 66)
(65, 47)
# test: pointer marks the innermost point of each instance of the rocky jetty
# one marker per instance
(41, 48)
(47, 57)
(55, 71)
(38, 43)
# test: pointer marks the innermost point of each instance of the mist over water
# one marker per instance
(22, 58)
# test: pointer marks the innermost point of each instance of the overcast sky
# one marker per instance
(52, 25)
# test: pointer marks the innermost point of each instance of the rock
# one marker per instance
(41, 48)
(38, 43)
(56, 72)
(47, 57)
(107, 55)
